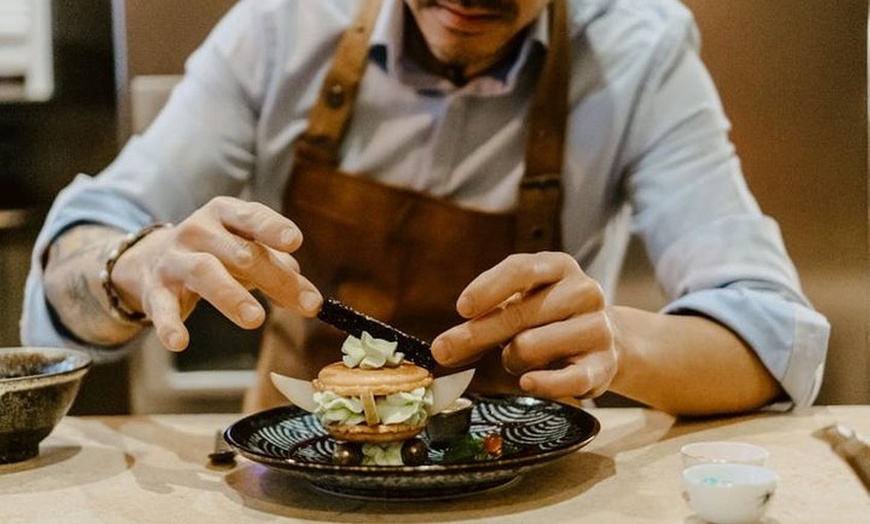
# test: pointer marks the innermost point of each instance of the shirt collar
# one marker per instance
(386, 51)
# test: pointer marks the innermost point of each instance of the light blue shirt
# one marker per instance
(647, 152)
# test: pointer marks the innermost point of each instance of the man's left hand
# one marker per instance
(548, 316)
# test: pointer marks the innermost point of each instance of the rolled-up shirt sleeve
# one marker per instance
(714, 252)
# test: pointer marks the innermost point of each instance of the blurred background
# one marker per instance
(78, 76)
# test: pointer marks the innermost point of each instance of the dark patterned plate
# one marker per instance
(533, 431)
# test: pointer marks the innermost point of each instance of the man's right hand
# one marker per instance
(218, 253)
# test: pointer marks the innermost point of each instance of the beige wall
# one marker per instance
(793, 79)
(156, 37)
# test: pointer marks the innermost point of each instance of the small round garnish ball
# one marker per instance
(347, 454)
(414, 452)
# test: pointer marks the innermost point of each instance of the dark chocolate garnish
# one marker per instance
(354, 323)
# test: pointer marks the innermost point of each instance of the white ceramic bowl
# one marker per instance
(723, 452)
(729, 493)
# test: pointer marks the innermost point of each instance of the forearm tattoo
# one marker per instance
(73, 288)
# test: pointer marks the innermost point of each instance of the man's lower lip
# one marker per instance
(463, 23)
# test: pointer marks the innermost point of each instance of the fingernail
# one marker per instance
(464, 306)
(288, 236)
(441, 351)
(176, 341)
(249, 313)
(527, 383)
(309, 300)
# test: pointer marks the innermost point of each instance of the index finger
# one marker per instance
(258, 222)
(516, 274)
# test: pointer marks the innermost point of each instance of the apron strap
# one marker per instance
(539, 207)
(330, 115)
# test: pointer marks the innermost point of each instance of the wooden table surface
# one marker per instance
(155, 469)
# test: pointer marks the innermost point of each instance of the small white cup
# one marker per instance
(729, 493)
(723, 452)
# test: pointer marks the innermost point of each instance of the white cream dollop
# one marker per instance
(384, 454)
(336, 409)
(407, 407)
(368, 352)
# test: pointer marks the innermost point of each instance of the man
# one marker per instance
(466, 170)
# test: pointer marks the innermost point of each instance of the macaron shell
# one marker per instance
(374, 434)
(342, 380)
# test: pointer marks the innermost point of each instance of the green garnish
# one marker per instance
(472, 447)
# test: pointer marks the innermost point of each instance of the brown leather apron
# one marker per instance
(399, 255)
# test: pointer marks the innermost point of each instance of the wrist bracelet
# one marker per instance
(116, 305)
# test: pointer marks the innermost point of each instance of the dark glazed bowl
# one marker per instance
(450, 424)
(37, 388)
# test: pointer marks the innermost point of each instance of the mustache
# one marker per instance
(504, 7)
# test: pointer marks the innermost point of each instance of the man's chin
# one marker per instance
(455, 48)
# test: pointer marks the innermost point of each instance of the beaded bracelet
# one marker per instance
(116, 305)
